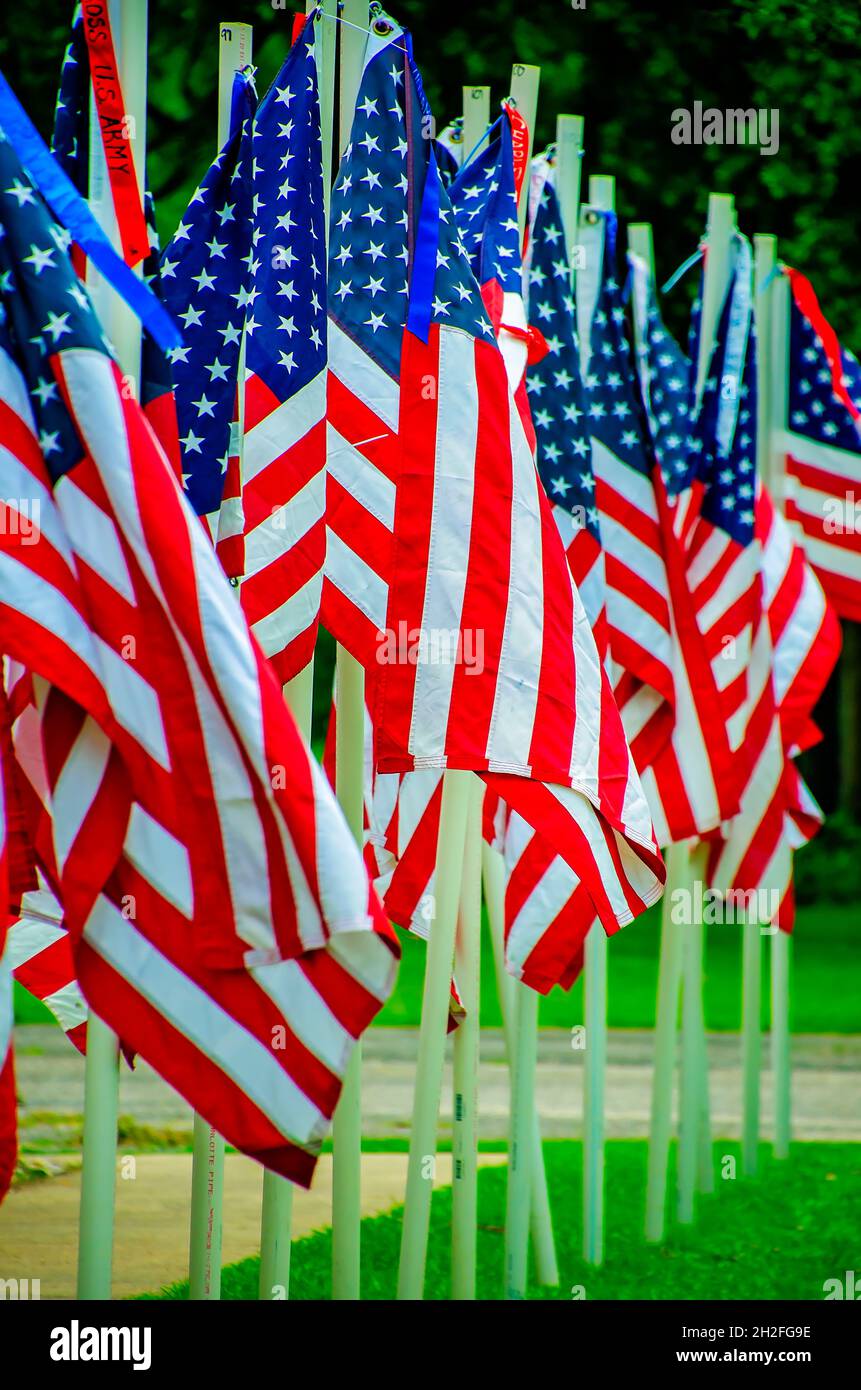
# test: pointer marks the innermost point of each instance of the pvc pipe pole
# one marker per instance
(467, 969)
(772, 330)
(751, 1046)
(524, 92)
(569, 171)
(101, 1077)
(689, 1089)
(235, 45)
(98, 1174)
(347, 1122)
(540, 1222)
(349, 778)
(521, 1140)
(781, 1065)
(666, 1024)
(525, 80)
(476, 117)
(719, 230)
(602, 194)
(432, 1033)
(207, 1190)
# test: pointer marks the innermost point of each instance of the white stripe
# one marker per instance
(290, 619)
(349, 573)
(77, 786)
(94, 537)
(368, 382)
(286, 526)
(134, 702)
(366, 483)
(161, 859)
(283, 428)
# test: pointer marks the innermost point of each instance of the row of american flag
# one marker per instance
(401, 423)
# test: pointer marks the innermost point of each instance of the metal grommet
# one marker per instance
(381, 27)
(592, 218)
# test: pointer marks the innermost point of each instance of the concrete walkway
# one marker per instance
(826, 1086)
(39, 1220)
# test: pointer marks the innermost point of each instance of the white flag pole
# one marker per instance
(349, 787)
(128, 20)
(765, 248)
(694, 1161)
(524, 92)
(775, 389)
(465, 1046)
(641, 244)
(467, 968)
(476, 117)
(540, 1222)
(276, 1219)
(602, 194)
(456, 792)
(207, 1164)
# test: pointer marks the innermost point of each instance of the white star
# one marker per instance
(204, 406)
(45, 390)
(40, 259)
(22, 191)
(375, 321)
(192, 442)
(57, 325)
(217, 372)
(287, 360)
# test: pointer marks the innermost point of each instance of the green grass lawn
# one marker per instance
(826, 993)
(826, 990)
(778, 1236)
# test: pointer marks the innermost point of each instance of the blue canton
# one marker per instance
(815, 411)
(286, 323)
(205, 280)
(485, 205)
(375, 218)
(614, 410)
(44, 308)
(554, 384)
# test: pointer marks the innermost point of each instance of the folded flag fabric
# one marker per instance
(691, 784)
(438, 525)
(221, 917)
(556, 398)
(637, 585)
(822, 444)
(246, 277)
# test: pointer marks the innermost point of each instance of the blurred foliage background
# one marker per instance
(625, 65)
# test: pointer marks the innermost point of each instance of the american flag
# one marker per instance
(284, 443)
(205, 281)
(222, 920)
(438, 523)
(769, 614)
(564, 444)
(637, 586)
(822, 442)
(691, 784)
